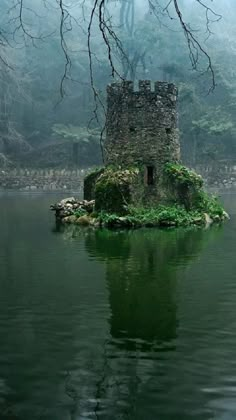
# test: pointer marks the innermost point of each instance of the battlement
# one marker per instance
(144, 87)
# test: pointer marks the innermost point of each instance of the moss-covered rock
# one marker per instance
(183, 176)
(69, 219)
(112, 190)
(183, 183)
(85, 220)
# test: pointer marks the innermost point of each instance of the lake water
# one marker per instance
(104, 325)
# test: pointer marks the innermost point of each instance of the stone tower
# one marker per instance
(141, 133)
(141, 125)
(141, 130)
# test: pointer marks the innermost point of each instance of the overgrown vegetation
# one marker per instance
(188, 204)
(112, 190)
(166, 216)
(161, 216)
(209, 204)
(80, 212)
(183, 177)
(188, 186)
(184, 184)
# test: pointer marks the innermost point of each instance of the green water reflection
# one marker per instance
(98, 324)
(141, 279)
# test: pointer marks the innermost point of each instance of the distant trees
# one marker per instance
(79, 137)
(162, 10)
(54, 49)
(26, 22)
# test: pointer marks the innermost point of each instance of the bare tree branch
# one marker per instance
(195, 47)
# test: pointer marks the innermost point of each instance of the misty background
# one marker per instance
(51, 84)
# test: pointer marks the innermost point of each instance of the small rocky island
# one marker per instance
(143, 182)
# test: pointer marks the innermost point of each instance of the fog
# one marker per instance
(57, 58)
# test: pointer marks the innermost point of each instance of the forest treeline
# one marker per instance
(53, 78)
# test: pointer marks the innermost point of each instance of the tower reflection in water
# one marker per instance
(142, 268)
(141, 271)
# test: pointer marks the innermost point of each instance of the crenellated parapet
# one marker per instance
(144, 86)
(148, 104)
(141, 122)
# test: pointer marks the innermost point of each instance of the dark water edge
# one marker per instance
(115, 325)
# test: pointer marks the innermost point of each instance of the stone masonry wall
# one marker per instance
(141, 130)
(42, 180)
(141, 125)
(221, 174)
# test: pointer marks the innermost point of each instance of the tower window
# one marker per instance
(132, 129)
(168, 130)
(150, 175)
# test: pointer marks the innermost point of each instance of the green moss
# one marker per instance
(209, 204)
(164, 216)
(188, 204)
(182, 176)
(183, 184)
(161, 216)
(167, 216)
(80, 212)
(112, 190)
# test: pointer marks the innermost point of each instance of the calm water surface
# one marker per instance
(115, 325)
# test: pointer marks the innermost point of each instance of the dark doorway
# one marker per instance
(150, 175)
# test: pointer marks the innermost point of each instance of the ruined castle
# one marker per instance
(142, 132)
(143, 183)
